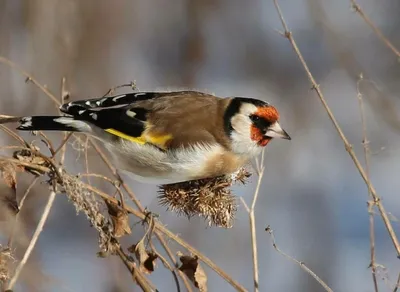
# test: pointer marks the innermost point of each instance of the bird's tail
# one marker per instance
(53, 123)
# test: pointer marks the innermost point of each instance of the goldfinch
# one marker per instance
(169, 137)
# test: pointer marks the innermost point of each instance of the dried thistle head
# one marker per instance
(6, 258)
(86, 201)
(209, 198)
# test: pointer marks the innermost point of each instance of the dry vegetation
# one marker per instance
(111, 215)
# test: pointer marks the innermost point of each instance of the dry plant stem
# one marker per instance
(252, 220)
(301, 264)
(137, 276)
(21, 203)
(63, 145)
(29, 78)
(370, 204)
(253, 232)
(287, 34)
(34, 239)
(397, 284)
(159, 236)
(64, 141)
(12, 134)
(172, 236)
(168, 266)
(140, 214)
(377, 31)
(48, 143)
(87, 156)
(27, 164)
(114, 183)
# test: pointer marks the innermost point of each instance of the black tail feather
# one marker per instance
(50, 123)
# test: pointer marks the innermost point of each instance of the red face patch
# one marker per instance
(257, 136)
(269, 113)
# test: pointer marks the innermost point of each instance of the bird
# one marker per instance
(170, 137)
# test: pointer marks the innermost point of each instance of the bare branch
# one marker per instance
(371, 204)
(301, 264)
(347, 145)
(376, 30)
(34, 239)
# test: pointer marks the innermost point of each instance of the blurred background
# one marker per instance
(312, 195)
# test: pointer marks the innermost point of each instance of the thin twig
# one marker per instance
(20, 205)
(63, 146)
(87, 156)
(29, 78)
(377, 31)
(47, 142)
(397, 284)
(371, 204)
(131, 84)
(136, 274)
(13, 135)
(168, 266)
(34, 239)
(252, 220)
(287, 34)
(301, 264)
(63, 142)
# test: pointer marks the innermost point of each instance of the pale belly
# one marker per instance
(151, 165)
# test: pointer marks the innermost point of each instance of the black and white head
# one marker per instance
(251, 124)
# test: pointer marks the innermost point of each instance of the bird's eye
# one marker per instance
(259, 122)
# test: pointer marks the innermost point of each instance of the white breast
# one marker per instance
(151, 165)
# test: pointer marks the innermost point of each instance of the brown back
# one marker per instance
(190, 117)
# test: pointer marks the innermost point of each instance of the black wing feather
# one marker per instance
(113, 112)
(132, 124)
(110, 101)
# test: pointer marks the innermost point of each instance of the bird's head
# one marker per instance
(251, 124)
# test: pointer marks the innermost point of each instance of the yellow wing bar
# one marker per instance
(157, 140)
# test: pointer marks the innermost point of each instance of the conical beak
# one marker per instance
(276, 131)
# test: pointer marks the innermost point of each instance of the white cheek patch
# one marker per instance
(241, 134)
(247, 109)
(241, 124)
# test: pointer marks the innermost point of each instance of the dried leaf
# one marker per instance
(145, 257)
(28, 157)
(192, 269)
(119, 218)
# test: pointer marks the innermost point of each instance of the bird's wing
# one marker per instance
(109, 101)
(166, 120)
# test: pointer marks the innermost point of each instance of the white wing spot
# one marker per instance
(26, 122)
(130, 113)
(94, 116)
(81, 112)
(118, 97)
(140, 94)
(87, 103)
(78, 125)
